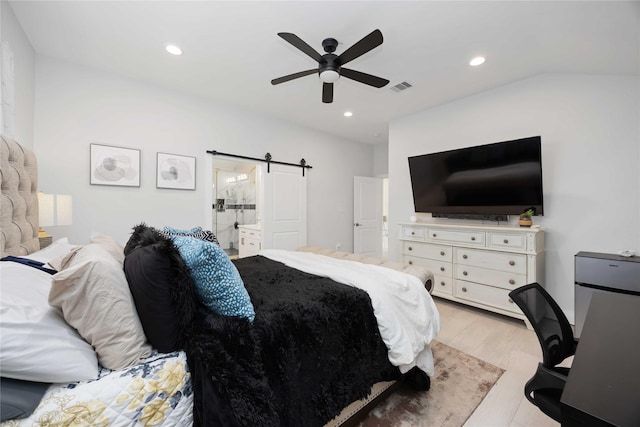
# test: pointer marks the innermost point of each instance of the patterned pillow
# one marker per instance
(196, 232)
(218, 283)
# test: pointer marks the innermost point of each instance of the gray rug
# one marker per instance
(460, 383)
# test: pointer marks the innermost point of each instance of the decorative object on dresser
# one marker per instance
(476, 265)
(525, 218)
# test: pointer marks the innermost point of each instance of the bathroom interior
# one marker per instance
(235, 190)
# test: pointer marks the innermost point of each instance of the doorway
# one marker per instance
(236, 200)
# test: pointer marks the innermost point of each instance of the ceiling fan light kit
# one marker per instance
(330, 65)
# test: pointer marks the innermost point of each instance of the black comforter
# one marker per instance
(313, 348)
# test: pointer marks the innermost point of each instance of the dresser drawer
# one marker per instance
(513, 263)
(507, 241)
(424, 250)
(442, 285)
(416, 233)
(501, 279)
(483, 294)
(476, 238)
(441, 268)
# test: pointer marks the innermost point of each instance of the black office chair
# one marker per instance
(557, 341)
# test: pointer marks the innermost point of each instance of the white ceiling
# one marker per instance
(232, 51)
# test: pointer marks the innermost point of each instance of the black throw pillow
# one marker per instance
(160, 282)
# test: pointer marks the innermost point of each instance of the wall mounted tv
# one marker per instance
(504, 178)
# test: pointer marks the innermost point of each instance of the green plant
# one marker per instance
(528, 213)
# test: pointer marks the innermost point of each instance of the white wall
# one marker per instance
(24, 73)
(76, 106)
(590, 152)
(381, 160)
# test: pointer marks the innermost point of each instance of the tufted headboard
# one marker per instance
(19, 202)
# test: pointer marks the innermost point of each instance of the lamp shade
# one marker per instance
(64, 209)
(46, 209)
(55, 209)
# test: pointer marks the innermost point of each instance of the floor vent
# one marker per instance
(401, 86)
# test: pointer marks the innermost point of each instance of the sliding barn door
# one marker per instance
(285, 208)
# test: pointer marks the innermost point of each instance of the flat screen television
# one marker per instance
(503, 178)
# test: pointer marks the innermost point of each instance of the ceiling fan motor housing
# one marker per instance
(329, 63)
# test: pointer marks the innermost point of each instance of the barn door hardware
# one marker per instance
(267, 159)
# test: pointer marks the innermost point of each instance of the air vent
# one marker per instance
(401, 86)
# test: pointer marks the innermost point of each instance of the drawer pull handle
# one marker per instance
(512, 282)
(441, 268)
(410, 262)
(442, 253)
(506, 241)
(512, 263)
(464, 273)
(442, 283)
(410, 248)
(510, 301)
(413, 233)
(464, 256)
(434, 234)
(464, 289)
(473, 238)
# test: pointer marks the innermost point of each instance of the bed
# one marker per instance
(304, 339)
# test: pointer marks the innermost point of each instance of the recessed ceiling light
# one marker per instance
(348, 114)
(173, 49)
(476, 61)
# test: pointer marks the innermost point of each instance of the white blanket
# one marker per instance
(407, 316)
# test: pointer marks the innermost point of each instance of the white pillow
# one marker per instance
(37, 344)
(57, 249)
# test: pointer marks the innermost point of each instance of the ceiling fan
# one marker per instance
(330, 65)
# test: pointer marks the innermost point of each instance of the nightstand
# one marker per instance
(45, 241)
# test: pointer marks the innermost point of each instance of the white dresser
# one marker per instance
(250, 240)
(476, 265)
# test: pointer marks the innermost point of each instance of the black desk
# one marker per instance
(603, 388)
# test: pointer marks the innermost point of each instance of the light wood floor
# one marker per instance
(503, 342)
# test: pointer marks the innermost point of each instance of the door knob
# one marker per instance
(356, 224)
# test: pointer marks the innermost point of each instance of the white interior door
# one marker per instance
(367, 216)
(285, 208)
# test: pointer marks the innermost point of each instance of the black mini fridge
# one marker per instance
(596, 272)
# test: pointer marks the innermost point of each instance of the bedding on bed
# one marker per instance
(156, 392)
(407, 316)
(314, 346)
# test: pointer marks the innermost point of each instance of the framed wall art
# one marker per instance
(176, 172)
(114, 166)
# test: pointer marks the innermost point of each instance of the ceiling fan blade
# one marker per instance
(371, 41)
(365, 78)
(327, 93)
(293, 76)
(302, 45)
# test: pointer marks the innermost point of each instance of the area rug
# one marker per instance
(460, 383)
